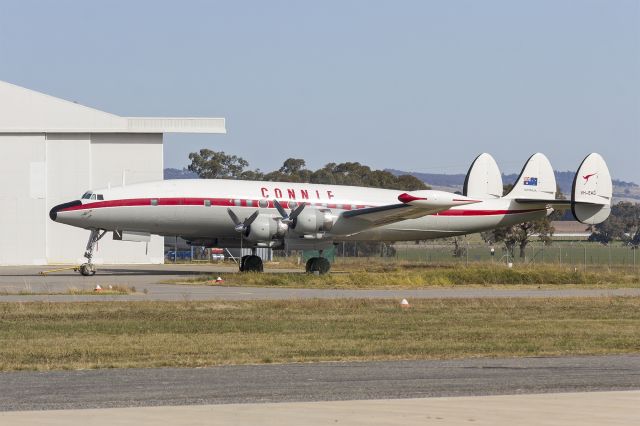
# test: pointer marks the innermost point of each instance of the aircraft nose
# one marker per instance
(53, 213)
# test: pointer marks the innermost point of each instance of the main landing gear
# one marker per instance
(251, 263)
(318, 265)
(88, 269)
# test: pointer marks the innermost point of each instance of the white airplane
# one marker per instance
(308, 216)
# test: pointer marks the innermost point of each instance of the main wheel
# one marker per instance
(87, 269)
(253, 264)
(318, 264)
(243, 259)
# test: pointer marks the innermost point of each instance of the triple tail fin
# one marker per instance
(483, 179)
(592, 190)
(536, 180)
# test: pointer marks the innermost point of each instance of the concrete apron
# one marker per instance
(587, 408)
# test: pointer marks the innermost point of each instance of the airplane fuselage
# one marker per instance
(197, 211)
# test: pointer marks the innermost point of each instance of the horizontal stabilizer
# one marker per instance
(536, 180)
(592, 190)
(412, 205)
(483, 179)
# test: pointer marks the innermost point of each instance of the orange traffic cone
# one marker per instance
(219, 280)
(98, 288)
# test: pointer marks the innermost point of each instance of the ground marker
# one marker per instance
(98, 288)
(219, 280)
(404, 303)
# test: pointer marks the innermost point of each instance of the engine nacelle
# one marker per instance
(266, 227)
(313, 221)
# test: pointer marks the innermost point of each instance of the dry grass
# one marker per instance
(152, 334)
(410, 276)
(108, 290)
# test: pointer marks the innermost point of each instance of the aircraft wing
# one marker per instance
(412, 205)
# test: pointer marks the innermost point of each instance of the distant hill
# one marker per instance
(179, 174)
(627, 191)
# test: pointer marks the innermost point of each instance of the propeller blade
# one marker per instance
(248, 221)
(294, 214)
(280, 209)
(234, 218)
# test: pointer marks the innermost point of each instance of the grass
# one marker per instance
(43, 336)
(106, 291)
(419, 275)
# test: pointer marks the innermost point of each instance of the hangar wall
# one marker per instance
(22, 198)
(43, 170)
(79, 162)
(52, 151)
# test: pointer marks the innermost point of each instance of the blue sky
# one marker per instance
(422, 86)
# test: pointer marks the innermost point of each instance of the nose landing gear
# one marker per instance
(88, 269)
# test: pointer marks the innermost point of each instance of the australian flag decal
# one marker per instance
(530, 181)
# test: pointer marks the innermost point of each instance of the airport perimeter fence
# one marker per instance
(577, 254)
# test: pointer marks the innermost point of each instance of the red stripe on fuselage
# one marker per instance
(485, 212)
(230, 202)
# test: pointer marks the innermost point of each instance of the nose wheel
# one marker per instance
(87, 269)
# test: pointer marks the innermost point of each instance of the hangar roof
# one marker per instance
(27, 111)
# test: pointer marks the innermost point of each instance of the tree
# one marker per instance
(520, 234)
(623, 224)
(292, 166)
(216, 164)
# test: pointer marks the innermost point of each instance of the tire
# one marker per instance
(253, 264)
(318, 264)
(323, 265)
(243, 259)
(311, 267)
(87, 270)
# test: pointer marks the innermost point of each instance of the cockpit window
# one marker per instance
(91, 196)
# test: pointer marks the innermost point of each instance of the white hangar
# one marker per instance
(52, 151)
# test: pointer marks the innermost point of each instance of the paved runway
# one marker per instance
(314, 382)
(150, 277)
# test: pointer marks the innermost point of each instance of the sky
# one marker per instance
(412, 85)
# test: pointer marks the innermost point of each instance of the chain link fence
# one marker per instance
(564, 253)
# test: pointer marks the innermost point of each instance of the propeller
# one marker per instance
(242, 226)
(288, 218)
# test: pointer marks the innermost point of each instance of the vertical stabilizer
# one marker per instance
(536, 180)
(483, 179)
(592, 190)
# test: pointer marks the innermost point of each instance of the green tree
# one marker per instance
(216, 164)
(623, 224)
(520, 235)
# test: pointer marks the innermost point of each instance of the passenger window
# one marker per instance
(207, 203)
(154, 202)
(100, 197)
(93, 196)
(263, 203)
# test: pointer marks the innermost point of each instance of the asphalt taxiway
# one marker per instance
(330, 381)
(150, 282)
